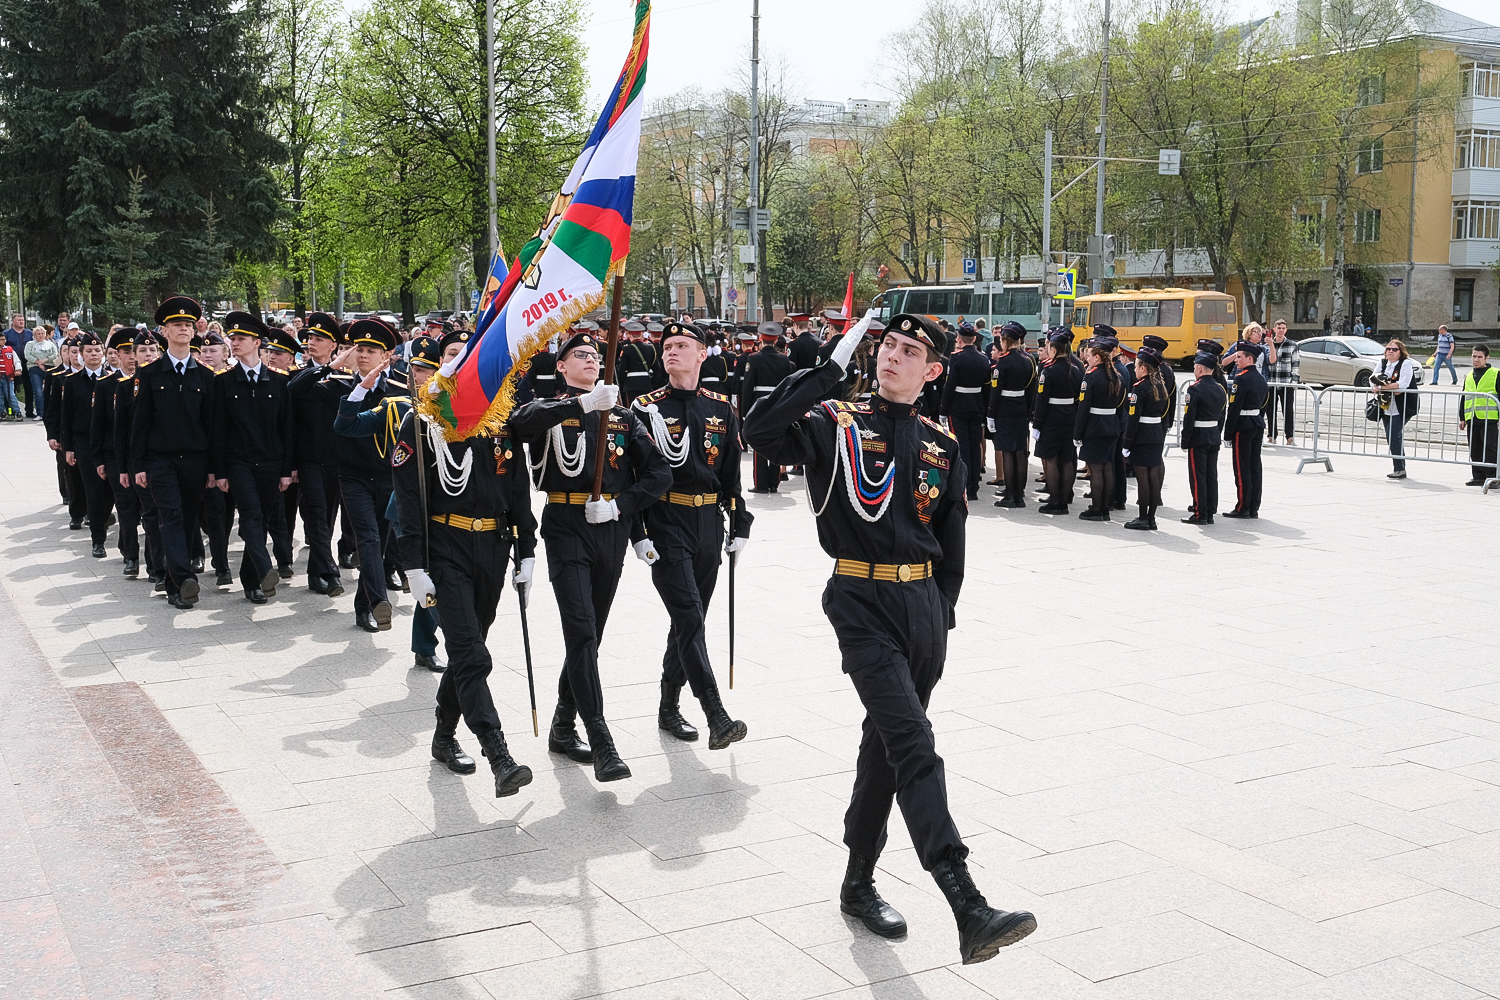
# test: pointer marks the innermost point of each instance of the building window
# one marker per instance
(1478, 149)
(1371, 157)
(1311, 225)
(1476, 220)
(1479, 80)
(1372, 90)
(692, 296)
(1305, 302)
(1367, 226)
(1463, 300)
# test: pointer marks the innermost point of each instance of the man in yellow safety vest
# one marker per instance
(1481, 417)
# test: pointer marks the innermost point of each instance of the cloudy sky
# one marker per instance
(830, 47)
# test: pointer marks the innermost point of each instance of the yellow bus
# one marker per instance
(1179, 316)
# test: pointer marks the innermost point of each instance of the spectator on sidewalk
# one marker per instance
(1287, 368)
(10, 370)
(1395, 384)
(41, 355)
(1481, 417)
(1444, 355)
(17, 336)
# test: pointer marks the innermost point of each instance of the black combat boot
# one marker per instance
(858, 898)
(669, 716)
(607, 763)
(445, 746)
(563, 738)
(982, 931)
(509, 776)
(722, 730)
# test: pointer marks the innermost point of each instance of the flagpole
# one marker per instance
(601, 443)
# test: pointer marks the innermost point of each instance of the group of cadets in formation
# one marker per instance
(186, 430)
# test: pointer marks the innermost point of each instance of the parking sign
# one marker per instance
(971, 266)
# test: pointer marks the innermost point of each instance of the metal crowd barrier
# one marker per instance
(1331, 421)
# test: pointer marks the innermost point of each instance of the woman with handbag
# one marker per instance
(1394, 387)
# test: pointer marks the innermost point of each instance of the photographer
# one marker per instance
(1394, 384)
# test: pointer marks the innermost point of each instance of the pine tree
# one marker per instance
(126, 258)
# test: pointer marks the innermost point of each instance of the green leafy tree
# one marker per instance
(126, 259)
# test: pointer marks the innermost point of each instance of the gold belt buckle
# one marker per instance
(476, 525)
(903, 573)
(697, 499)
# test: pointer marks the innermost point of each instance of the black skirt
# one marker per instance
(1010, 433)
(1098, 450)
(1146, 456)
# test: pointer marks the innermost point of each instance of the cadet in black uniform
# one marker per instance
(1012, 400)
(698, 432)
(1145, 434)
(1168, 376)
(102, 438)
(251, 449)
(886, 484)
(147, 350)
(586, 538)
(802, 352)
(67, 475)
(74, 426)
(316, 452)
(764, 371)
(1058, 381)
(1127, 378)
(636, 360)
(1096, 424)
(966, 401)
(1244, 428)
(169, 442)
(1202, 422)
(541, 372)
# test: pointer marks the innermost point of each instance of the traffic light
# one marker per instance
(1107, 252)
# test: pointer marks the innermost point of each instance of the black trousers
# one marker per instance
(73, 489)
(281, 537)
(969, 429)
(317, 498)
(690, 541)
(1286, 399)
(176, 483)
(99, 499)
(151, 527)
(217, 519)
(1484, 436)
(766, 475)
(468, 570)
(894, 639)
(1246, 450)
(257, 494)
(583, 563)
(1203, 479)
(347, 544)
(366, 498)
(127, 510)
(64, 486)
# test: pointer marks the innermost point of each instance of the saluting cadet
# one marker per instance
(966, 401)
(1244, 428)
(79, 391)
(1145, 434)
(764, 371)
(1096, 425)
(102, 438)
(635, 362)
(1058, 382)
(899, 500)
(586, 538)
(315, 451)
(169, 442)
(1012, 400)
(1202, 422)
(251, 449)
(698, 432)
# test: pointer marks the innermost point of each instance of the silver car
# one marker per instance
(1339, 360)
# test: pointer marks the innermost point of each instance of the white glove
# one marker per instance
(433, 388)
(736, 545)
(599, 511)
(422, 588)
(522, 575)
(1036, 434)
(1077, 444)
(989, 423)
(1125, 452)
(645, 551)
(843, 351)
(600, 397)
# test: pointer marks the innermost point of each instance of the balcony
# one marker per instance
(1478, 112)
(1476, 183)
(1472, 253)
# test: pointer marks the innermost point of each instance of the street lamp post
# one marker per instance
(489, 22)
(752, 277)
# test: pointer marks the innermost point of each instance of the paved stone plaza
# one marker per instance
(1256, 760)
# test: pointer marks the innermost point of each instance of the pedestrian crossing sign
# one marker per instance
(1067, 283)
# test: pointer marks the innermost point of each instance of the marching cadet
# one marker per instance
(697, 431)
(169, 442)
(1244, 428)
(251, 449)
(1058, 382)
(365, 465)
(1145, 434)
(1202, 422)
(541, 371)
(278, 351)
(1012, 399)
(217, 513)
(636, 360)
(147, 350)
(763, 372)
(1096, 425)
(586, 538)
(316, 452)
(461, 506)
(802, 351)
(965, 402)
(899, 501)
(102, 438)
(78, 392)
(52, 379)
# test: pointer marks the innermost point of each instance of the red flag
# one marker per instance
(849, 298)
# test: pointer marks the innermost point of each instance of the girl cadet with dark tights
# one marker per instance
(1146, 434)
(1096, 424)
(1056, 407)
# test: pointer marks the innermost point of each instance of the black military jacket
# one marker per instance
(172, 411)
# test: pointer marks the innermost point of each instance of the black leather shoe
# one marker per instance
(1475, 482)
(223, 578)
(317, 584)
(509, 776)
(335, 586)
(1012, 503)
(1116, 506)
(607, 763)
(97, 551)
(1093, 514)
(858, 898)
(1195, 519)
(428, 663)
(982, 930)
(196, 565)
(255, 595)
(189, 590)
(349, 561)
(177, 602)
(722, 730)
(75, 525)
(446, 749)
(669, 717)
(562, 736)
(268, 583)
(285, 572)
(160, 586)
(393, 581)
(365, 621)
(1141, 524)
(381, 613)
(132, 569)
(1241, 514)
